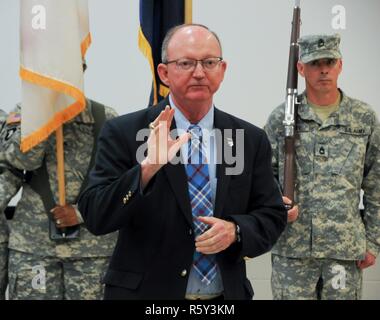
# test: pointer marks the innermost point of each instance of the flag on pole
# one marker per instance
(156, 18)
(54, 37)
(84, 26)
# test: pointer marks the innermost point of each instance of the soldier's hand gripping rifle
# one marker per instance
(290, 106)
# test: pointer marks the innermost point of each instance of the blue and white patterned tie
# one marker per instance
(198, 179)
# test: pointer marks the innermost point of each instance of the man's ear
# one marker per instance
(301, 68)
(340, 65)
(162, 70)
(224, 67)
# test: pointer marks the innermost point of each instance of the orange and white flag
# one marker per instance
(54, 37)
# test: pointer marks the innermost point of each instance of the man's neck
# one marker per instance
(194, 112)
(323, 98)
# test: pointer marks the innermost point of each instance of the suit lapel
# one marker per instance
(177, 177)
(221, 122)
(175, 174)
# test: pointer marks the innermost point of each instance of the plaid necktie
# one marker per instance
(198, 179)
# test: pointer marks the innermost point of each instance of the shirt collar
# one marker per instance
(340, 117)
(206, 123)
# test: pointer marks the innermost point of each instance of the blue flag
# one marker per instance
(156, 18)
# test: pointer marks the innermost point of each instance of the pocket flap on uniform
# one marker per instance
(126, 279)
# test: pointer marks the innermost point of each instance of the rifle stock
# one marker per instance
(289, 168)
(290, 106)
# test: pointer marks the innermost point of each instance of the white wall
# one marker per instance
(255, 36)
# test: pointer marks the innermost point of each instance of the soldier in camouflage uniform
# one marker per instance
(337, 154)
(9, 185)
(41, 268)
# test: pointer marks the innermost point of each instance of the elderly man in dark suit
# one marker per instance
(185, 221)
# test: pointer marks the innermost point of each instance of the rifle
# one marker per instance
(290, 106)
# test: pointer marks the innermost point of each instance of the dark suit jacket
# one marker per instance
(154, 251)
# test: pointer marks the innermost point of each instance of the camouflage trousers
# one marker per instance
(3, 269)
(296, 279)
(50, 278)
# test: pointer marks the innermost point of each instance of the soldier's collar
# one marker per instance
(86, 115)
(342, 116)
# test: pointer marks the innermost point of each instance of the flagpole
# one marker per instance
(188, 11)
(60, 167)
(61, 170)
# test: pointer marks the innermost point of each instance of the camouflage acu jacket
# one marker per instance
(29, 230)
(334, 161)
(9, 185)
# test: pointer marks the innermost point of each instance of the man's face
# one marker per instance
(321, 75)
(197, 84)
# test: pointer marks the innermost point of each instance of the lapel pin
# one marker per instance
(230, 142)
